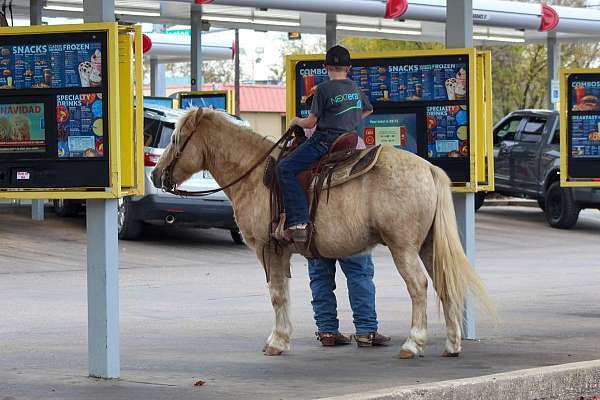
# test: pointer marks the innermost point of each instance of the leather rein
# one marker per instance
(201, 193)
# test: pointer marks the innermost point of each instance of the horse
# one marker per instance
(404, 203)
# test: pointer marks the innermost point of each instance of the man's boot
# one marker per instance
(332, 339)
(372, 339)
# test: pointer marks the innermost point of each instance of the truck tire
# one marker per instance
(561, 210)
(66, 208)
(129, 228)
(479, 200)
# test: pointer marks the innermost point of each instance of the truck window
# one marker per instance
(508, 130)
(165, 135)
(533, 130)
(556, 137)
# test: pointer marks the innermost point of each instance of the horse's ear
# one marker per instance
(193, 119)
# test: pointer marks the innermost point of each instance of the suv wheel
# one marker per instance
(236, 235)
(129, 228)
(561, 210)
(66, 208)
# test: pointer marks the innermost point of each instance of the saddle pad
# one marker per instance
(354, 168)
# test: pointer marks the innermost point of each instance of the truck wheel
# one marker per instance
(66, 208)
(237, 236)
(561, 210)
(129, 228)
(479, 200)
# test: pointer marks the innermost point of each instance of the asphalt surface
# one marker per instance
(195, 306)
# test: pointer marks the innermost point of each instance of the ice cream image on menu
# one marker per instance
(90, 72)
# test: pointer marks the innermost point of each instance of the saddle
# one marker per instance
(341, 164)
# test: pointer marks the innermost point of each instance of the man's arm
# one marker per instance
(365, 114)
(306, 123)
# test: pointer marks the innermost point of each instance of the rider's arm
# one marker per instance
(365, 114)
(367, 108)
(306, 123)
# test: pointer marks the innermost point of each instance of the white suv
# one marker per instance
(158, 207)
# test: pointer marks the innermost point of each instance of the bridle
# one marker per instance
(167, 175)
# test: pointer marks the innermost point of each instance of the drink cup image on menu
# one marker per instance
(96, 61)
(460, 90)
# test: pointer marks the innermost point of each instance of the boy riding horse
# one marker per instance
(338, 107)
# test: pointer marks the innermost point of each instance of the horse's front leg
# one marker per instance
(277, 267)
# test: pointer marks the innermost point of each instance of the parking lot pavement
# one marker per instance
(195, 306)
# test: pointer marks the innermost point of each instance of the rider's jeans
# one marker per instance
(294, 199)
(361, 291)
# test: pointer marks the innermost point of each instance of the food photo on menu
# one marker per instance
(22, 128)
(585, 95)
(51, 65)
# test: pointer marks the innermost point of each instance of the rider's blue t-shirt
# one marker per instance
(338, 105)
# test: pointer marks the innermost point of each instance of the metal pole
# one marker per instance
(330, 30)
(98, 10)
(237, 72)
(103, 288)
(553, 66)
(35, 12)
(196, 22)
(158, 85)
(102, 257)
(35, 18)
(459, 34)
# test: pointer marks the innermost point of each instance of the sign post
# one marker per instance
(67, 132)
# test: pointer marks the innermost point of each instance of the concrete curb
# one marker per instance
(511, 203)
(580, 380)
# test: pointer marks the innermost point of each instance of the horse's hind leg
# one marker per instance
(279, 339)
(452, 325)
(407, 263)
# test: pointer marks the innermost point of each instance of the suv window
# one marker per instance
(150, 131)
(533, 130)
(508, 130)
(165, 135)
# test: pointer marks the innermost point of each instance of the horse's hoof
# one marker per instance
(272, 351)
(450, 355)
(406, 355)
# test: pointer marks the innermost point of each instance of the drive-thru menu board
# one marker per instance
(421, 104)
(215, 99)
(580, 142)
(61, 104)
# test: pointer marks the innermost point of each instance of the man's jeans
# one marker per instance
(294, 199)
(361, 291)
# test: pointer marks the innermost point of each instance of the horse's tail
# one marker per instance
(453, 275)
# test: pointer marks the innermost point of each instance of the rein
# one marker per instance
(201, 193)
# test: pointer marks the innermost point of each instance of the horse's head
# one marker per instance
(184, 156)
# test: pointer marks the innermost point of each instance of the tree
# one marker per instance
(290, 47)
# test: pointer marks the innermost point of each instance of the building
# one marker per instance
(263, 106)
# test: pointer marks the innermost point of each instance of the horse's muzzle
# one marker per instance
(157, 178)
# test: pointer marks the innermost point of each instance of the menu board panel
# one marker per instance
(22, 128)
(80, 125)
(399, 130)
(217, 102)
(585, 95)
(447, 131)
(585, 136)
(51, 65)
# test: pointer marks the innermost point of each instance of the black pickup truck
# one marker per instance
(527, 164)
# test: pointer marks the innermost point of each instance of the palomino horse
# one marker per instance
(404, 202)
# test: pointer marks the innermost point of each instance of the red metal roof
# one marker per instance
(253, 98)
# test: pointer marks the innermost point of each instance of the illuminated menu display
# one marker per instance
(50, 65)
(22, 128)
(431, 89)
(583, 125)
